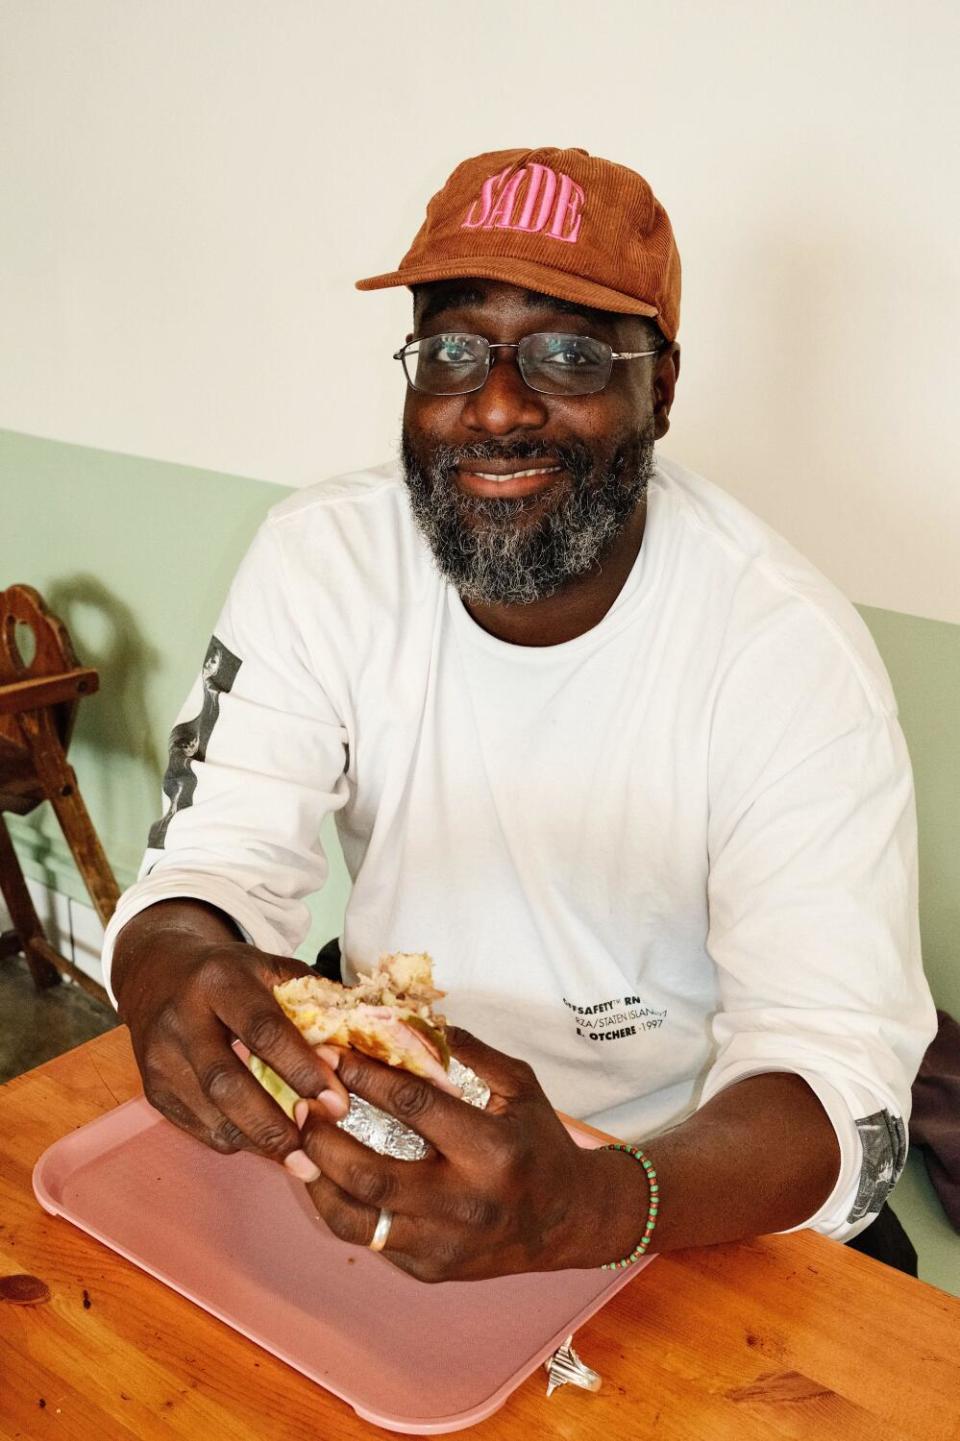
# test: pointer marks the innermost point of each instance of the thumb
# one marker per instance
(272, 970)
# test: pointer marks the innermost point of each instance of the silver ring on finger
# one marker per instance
(381, 1230)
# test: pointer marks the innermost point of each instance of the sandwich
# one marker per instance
(388, 1015)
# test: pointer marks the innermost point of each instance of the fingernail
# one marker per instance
(329, 1054)
(300, 1113)
(299, 1164)
(334, 1104)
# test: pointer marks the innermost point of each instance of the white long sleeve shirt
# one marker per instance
(671, 853)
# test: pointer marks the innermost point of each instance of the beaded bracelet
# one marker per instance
(653, 1205)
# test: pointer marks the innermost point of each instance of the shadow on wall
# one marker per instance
(114, 723)
(105, 635)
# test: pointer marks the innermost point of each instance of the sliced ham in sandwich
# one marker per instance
(388, 1015)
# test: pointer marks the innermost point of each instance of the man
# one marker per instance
(596, 738)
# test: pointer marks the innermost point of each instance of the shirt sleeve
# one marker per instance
(813, 903)
(257, 760)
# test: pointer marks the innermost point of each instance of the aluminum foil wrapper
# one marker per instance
(390, 1137)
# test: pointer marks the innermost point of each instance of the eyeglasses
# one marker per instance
(550, 364)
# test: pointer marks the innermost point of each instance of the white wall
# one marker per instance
(71, 927)
(189, 190)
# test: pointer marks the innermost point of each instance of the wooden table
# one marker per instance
(791, 1336)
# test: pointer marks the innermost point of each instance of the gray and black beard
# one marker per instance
(477, 544)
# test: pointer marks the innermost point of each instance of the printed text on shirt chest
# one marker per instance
(617, 1019)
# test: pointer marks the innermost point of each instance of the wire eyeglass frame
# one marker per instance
(411, 347)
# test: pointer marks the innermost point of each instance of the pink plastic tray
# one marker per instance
(239, 1237)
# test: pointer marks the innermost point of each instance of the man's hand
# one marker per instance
(504, 1190)
(186, 987)
(507, 1190)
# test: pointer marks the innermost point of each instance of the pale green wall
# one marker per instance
(136, 556)
(923, 658)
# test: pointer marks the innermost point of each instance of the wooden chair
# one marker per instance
(38, 706)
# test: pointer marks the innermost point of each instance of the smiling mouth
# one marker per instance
(510, 483)
(515, 474)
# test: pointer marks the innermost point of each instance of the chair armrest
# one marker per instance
(43, 690)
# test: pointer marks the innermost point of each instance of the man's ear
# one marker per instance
(664, 387)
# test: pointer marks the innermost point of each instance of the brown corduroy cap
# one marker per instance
(561, 222)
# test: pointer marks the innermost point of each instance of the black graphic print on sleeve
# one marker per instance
(884, 1141)
(189, 740)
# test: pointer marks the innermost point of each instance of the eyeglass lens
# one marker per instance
(550, 363)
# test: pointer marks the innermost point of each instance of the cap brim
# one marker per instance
(530, 275)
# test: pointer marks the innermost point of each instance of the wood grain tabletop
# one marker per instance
(787, 1336)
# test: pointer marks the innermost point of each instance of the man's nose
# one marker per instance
(505, 402)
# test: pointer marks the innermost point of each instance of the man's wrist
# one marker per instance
(608, 1219)
(171, 924)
